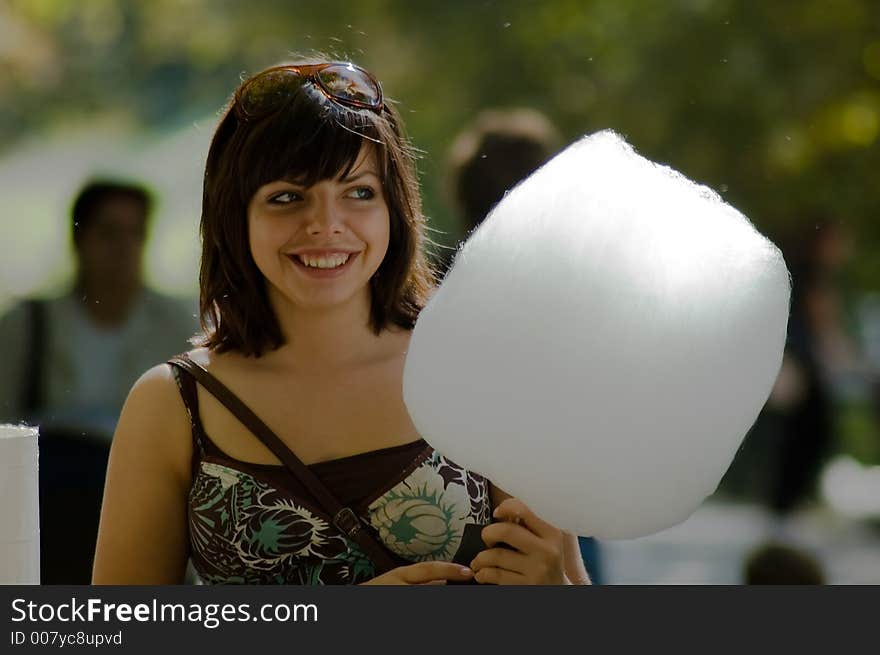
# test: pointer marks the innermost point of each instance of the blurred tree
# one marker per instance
(776, 105)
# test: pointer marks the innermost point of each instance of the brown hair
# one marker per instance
(308, 138)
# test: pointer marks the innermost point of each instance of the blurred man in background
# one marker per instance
(69, 361)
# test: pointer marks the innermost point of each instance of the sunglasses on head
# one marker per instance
(341, 82)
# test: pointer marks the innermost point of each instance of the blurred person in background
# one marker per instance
(490, 156)
(773, 563)
(823, 376)
(69, 361)
(494, 153)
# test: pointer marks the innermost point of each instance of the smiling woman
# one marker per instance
(335, 230)
(312, 277)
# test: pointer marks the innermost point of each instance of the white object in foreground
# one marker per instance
(602, 343)
(19, 506)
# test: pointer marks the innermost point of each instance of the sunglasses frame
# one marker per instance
(310, 72)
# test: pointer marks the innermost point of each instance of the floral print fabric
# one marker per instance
(245, 530)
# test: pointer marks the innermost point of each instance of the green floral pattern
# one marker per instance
(423, 517)
(245, 531)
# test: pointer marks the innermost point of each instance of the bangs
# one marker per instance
(307, 140)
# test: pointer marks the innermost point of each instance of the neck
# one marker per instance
(107, 304)
(328, 338)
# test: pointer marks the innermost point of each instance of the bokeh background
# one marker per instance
(775, 105)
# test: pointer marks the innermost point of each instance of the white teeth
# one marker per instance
(323, 262)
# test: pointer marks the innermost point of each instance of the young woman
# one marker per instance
(312, 277)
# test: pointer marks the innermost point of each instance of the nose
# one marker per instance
(325, 217)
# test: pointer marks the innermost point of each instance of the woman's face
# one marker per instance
(319, 246)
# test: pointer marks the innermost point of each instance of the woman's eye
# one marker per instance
(284, 198)
(362, 193)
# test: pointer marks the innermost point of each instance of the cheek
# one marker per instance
(383, 234)
(260, 243)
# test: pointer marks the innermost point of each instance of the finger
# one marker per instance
(516, 536)
(501, 558)
(494, 575)
(427, 571)
(515, 510)
(433, 582)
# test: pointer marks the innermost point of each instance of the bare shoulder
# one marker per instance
(154, 423)
(213, 361)
(202, 356)
(154, 390)
(225, 364)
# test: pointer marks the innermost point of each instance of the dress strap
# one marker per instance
(344, 519)
(186, 384)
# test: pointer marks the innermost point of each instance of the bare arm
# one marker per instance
(143, 538)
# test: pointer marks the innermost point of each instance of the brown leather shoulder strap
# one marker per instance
(186, 385)
(344, 518)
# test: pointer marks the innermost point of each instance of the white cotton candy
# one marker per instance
(602, 343)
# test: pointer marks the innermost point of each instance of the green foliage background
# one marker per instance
(774, 104)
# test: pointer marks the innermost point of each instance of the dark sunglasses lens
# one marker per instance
(349, 84)
(266, 92)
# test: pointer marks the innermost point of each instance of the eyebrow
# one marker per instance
(300, 179)
(296, 181)
(359, 176)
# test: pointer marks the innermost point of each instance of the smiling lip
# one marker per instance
(322, 273)
(322, 252)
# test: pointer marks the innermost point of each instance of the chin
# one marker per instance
(329, 299)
